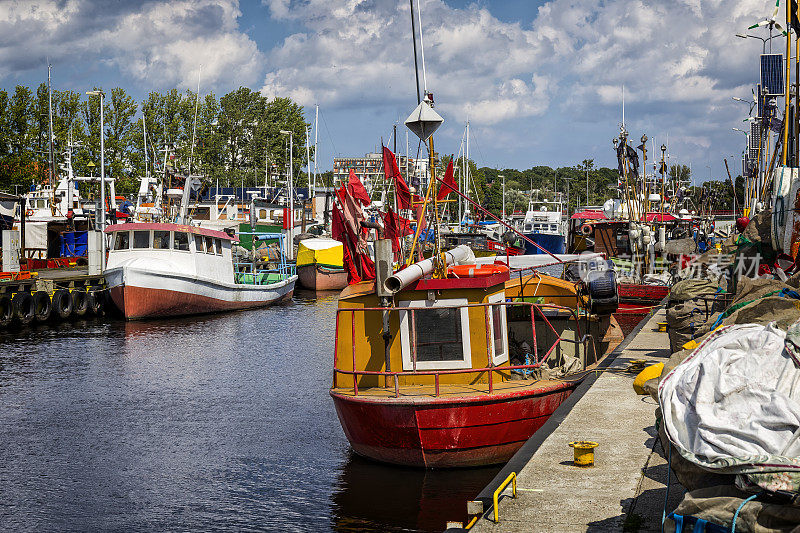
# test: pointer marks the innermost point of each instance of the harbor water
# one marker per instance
(216, 423)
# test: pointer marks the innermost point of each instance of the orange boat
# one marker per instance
(459, 371)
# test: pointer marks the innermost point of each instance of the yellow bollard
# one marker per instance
(584, 452)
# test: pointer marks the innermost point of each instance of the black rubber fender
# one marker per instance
(6, 311)
(22, 302)
(62, 304)
(80, 302)
(95, 302)
(42, 306)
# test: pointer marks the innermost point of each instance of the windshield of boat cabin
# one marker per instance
(438, 334)
(161, 240)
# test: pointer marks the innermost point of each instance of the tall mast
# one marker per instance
(308, 162)
(52, 165)
(144, 133)
(194, 126)
(316, 152)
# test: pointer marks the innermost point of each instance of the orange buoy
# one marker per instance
(475, 271)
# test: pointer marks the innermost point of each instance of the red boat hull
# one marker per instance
(444, 433)
(635, 302)
(138, 302)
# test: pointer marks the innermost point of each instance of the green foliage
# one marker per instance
(544, 180)
(233, 138)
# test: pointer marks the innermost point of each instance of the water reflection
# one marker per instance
(371, 496)
(218, 422)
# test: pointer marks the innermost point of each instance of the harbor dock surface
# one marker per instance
(625, 489)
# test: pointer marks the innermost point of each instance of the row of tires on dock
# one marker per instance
(23, 307)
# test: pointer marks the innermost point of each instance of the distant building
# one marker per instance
(369, 170)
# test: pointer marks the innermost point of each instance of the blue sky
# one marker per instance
(541, 82)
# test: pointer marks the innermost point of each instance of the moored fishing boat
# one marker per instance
(166, 269)
(320, 264)
(447, 372)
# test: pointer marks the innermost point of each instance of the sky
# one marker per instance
(541, 82)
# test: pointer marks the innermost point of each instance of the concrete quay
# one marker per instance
(626, 489)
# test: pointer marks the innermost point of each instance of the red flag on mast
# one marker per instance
(392, 172)
(357, 189)
(448, 183)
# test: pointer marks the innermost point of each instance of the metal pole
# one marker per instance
(102, 188)
(316, 130)
(414, 40)
(787, 96)
(50, 133)
(291, 196)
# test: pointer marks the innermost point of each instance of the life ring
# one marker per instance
(586, 230)
(29, 212)
(42, 306)
(80, 302)
(22, 302)
(475, 271)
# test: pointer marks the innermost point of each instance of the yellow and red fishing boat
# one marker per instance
(460, 369)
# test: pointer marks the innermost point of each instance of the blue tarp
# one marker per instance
(74, 243)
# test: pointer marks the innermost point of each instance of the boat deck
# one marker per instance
(464, 390)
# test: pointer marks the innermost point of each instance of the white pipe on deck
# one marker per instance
(412, 273)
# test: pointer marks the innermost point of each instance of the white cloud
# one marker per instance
(161, 43)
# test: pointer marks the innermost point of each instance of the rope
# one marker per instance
(736, 514)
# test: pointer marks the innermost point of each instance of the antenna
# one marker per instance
(623, 107)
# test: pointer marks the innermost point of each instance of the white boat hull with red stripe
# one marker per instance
(162, 270)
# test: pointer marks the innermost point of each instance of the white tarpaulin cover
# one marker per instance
(733, 405)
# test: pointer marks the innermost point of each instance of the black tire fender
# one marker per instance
(62, 304)
(80, 302)
(22, 302)
(42, 306)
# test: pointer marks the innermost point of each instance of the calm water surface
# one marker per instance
(213, 423)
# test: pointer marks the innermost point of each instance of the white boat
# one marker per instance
(545, 226)
(167, 269)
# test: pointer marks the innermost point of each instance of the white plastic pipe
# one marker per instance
(412, 273)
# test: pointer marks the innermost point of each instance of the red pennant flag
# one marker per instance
(392, 172)
(449, 182)
(395, 227)
(357, 190)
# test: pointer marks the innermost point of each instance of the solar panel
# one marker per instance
(772, 73)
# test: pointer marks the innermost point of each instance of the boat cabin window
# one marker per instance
(141, 239)
(218, 246)
(122, 240)
(209, 245)
(499, 329)
(161, 240)
(198, 243)
(181, 241)
(440, 335)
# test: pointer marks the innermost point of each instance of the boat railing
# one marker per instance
(284, 269)
(490, 368)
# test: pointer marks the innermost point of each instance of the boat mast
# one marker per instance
(316, 152)
(308, 166)
(144, 134)
(194, 126)
(51, 162)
